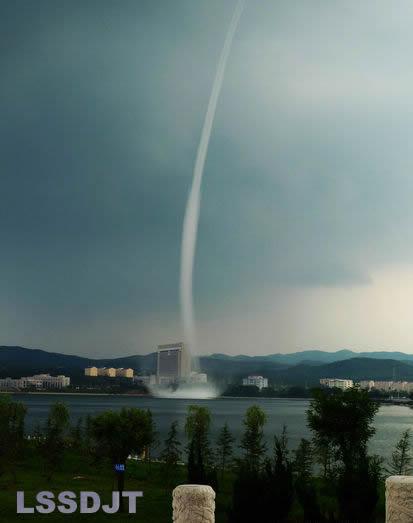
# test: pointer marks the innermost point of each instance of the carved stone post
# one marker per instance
(193, 504)
(399, 499)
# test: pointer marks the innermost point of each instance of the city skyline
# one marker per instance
(306, 216)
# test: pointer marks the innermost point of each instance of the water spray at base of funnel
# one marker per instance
(199, 392)
(190, 226)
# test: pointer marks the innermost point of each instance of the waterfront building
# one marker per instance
(173, 364)
(124, 373)
(257, 381)
(336, 383)
(91, 371)
(38, 381)
(387, 386)
(110, 372)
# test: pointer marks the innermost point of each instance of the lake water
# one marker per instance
(390, 421)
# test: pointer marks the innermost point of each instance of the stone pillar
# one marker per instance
(399, 499)
(193, 504)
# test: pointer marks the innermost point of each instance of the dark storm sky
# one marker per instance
(306, 224)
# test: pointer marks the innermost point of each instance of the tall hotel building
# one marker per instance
(174, 364)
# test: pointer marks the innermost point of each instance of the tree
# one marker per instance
(147, 451)
(304, 487)
(303, 460)
(252, 441)
(279, 485)
(199, 452)
(344, 419)
(171, 453)
(251, 483)
(12, 414)
(401, 458)
(323, 455)
(266, 490)
(88, 435)
(52, 445)
(247, 495)
(77, 435)
(358, 490)
(117, 435)
(224, 445)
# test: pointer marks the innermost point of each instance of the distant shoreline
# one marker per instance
(76, 393)
(382, 401)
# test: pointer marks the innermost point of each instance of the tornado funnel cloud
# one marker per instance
(191, 218)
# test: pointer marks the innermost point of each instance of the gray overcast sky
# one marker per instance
(306, 224)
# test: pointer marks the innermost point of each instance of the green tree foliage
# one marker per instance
(171, 453)
(250, 485)
(324, 455)
(88, 436)
(266, 490)
(147, 452)
(303, 482)
(77, 435)
(12, 414)
(252, 441)
(401, 458)
(248, 495)
(119, 434)
(197, 426)
(224, 447)
(303, 460)
(358, 490)
(52, 444)
(345, 420)
(342, 421)
(279, 479)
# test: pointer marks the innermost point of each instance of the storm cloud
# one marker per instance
(306, 216)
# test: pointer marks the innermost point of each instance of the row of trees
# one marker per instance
(333, 477)
(111, 436)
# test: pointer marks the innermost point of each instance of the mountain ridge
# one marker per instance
(302, 368)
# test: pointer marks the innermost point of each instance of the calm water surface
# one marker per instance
(390, 421)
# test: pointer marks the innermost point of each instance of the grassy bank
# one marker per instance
(79, 474)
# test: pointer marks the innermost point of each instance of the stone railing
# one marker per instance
(399, 499)
(193, 504)
(196, 503)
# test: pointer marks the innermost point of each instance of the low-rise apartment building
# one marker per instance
(39, 381)
(109, 372)
(124, 373)
(336, 383)
(388, 386)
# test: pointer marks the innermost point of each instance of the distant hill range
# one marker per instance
(20, 361)
(299, 368)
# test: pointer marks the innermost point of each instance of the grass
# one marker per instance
(154, 507)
